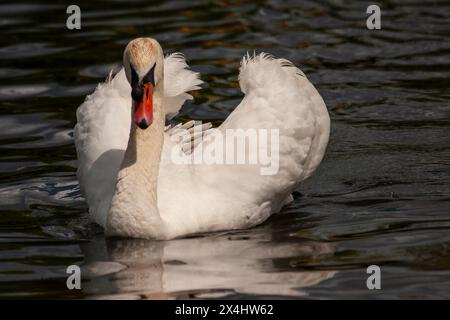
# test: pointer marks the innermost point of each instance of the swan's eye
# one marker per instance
(150, 76)
(137, 86)
(137, 92)
(134, 77)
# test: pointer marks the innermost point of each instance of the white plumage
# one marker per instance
(202, 198)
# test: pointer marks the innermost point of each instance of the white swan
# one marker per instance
(126, 169)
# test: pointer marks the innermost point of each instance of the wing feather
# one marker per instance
(178, 80)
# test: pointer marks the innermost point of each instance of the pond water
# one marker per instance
(381, 196)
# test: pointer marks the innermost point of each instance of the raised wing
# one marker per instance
(290, 120)
(178, 80)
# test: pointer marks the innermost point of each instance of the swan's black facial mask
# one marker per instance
(142, 95)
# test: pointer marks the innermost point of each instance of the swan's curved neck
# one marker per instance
(134, 211)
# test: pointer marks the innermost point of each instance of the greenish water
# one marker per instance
(381, 195)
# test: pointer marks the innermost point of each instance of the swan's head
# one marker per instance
(143, 61)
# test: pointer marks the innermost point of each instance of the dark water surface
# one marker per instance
(381, 195)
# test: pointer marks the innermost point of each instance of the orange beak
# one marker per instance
(143, 112)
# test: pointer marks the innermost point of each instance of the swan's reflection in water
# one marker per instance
(210, 266)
